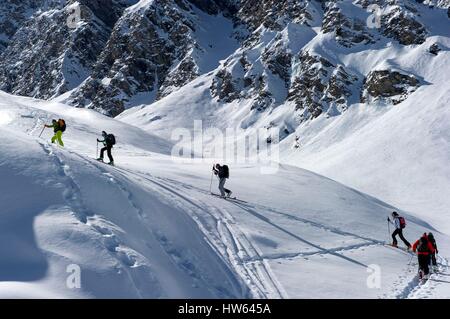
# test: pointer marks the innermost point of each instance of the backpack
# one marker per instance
(62, 125)
(402, 222)
(423, 245)
(432, 240)
(226, 171)
(110, 139)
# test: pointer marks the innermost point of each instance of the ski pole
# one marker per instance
(96, 153)
(410, 259)
(42, 131)
(210, 184)
(389, 231)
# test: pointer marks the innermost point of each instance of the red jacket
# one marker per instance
(430, 246)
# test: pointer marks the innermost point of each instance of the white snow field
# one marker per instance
(149, 228)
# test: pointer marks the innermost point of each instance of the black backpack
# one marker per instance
(432, 240)
(423, 245)
(110, 139)
(226, 171)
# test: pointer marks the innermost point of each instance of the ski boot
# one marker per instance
(425, 278)
(421, 274)
(100, 159)
(111, 163)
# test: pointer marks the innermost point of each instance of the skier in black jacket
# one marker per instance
(108, 141)
(222, 173)
(433, 243)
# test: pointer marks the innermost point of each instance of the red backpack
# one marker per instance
(402, 222)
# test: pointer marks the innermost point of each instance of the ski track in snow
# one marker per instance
(165, 244)
(412, 287)
(250, 209)
(408, 285)
(232, 242)
(126, 256)
(252, 267)
(230, 234)
(415, 289)
(225, 238)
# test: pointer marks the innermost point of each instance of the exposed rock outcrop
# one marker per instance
(320, 86)
(348, 31)
(391, 85)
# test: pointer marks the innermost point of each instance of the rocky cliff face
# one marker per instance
(152, 48)
(289, 51)
(348, 30)
(320, 86)
(138, 57)
(48, 56)
(14, 13)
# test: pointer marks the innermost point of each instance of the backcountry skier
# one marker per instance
(59, 126)
(222, 172)
(433, 243)
(109, 140)
(424, 250)
(399, 223)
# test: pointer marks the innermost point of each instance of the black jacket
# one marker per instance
(106, 141)
(221, 172)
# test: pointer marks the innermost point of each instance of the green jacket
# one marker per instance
(55, 126)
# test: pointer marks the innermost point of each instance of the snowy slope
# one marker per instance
(401, 156)
(150, 228)
(62, 208)
(398, 153)
(410, 141)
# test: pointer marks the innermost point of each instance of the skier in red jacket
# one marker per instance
(424, 250)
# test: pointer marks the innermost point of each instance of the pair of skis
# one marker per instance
(408, 250)
(101, 161)
(228, 198)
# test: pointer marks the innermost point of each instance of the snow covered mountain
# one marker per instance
(353, 90)
(155, 47)
(149, 227)
(121, 53)
(350, 101)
